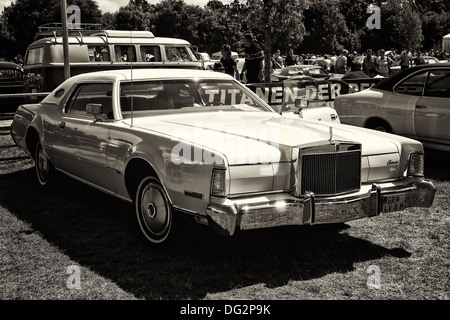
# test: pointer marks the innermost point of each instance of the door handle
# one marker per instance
(62, 125)
(419, 106)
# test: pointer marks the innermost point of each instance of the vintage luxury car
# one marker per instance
(203, 144)
(413, 103)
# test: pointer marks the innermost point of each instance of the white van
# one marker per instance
(102, 50)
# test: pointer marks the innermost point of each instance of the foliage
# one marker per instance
(324, 40)
(434, 26)
(134, 16)
(403, 25)
(24, 17)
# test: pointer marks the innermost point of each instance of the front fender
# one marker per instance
(183, 168)
(24, 121)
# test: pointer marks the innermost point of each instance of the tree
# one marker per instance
(355, 13)
(434, 27)
(108, 21)
(134, 16)
(325, 27)
(402, 27)
(275, 23)
(5, 39)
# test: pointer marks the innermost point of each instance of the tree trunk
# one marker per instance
(267, 41)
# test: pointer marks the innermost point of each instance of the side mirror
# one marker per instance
(96, 109)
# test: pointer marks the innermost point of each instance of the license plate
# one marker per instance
(393, 203)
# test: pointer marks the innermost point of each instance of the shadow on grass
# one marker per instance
(436, 164)
(100, 232)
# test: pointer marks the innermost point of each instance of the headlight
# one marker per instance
(219, 182)
(416, 164)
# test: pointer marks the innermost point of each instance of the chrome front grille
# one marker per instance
(330, 173)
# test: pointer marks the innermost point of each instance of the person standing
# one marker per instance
(418, 60)
(405, 59)
(349, 62)
(341, 63)
(254, 59)
(327, 63)
(382, 64)
(369, 64)
(228, 62)
(277, 60)
(290, 59)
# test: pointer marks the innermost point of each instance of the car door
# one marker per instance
(432, 115)
(84, 139)
(400, 107)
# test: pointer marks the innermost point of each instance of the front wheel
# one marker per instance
(153, 210)
(44, 168)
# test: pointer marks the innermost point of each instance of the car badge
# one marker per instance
(331, 134)
(391, 162)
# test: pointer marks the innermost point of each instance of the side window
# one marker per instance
(178, 54)
(98, 53)
(150, 54)
(126, 53)
(413, 85)
(100, 93)
(35, 56)
(438, 84)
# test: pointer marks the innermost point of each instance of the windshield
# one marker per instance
(182, 96)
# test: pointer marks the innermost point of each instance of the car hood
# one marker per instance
(268, 134)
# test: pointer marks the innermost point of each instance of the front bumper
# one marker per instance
(284, 209)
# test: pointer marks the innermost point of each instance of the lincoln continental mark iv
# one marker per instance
(203, 144)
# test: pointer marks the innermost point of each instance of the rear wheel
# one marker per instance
(44, 168)
(153, 210)
(380, 125)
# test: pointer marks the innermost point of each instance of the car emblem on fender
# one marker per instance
(392, 162)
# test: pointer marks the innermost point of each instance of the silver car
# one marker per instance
(414, 103)
(203, 144)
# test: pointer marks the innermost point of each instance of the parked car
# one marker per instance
(413, 103)
(203, 144)
(11, 82)
(300, 71)
(430, 59)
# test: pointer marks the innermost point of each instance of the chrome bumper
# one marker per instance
(284, 209)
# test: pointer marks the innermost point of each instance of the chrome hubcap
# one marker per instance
(42, 164)
(154, 210)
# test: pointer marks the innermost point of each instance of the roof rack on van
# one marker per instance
(54, 29)
(124, 34)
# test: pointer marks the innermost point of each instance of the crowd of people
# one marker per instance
(379, 63)
(382, 63)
